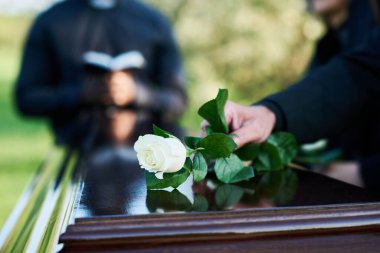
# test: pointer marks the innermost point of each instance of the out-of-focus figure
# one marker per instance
(328, 102)
(348, 25)
(100, 64)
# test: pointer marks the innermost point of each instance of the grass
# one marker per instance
(23, 142)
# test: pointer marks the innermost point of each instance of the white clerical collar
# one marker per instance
(103, 4)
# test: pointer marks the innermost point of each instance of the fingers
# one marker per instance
(121, 89)
(203, 128)
(256, 125)
(247, 123)
(231, 115)
(249, 133)
(204, 123)
(235, 115)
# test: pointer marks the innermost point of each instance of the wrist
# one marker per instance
(270, 116)
(279, 116)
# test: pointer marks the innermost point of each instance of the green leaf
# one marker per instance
(192, 142)
(200, 204)
(188, 164)
(286, 144)
(160, 132)
(208, 130)
(248, 152)
(244, 174)
(268, 158)
(227, 196)
(228, 170)
(217, 145)
(281, 186)
(213, 112)
(170, 179)
(199, 167)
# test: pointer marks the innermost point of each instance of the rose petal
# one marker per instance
(145, 140)
(141, 156)
(159, 155)
(176, 147)
(178, 156)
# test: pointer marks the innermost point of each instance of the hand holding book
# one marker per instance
(112, 81)
(121, 88)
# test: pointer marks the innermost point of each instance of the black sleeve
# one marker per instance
(170, 98)
(38, 90)
(327, 100)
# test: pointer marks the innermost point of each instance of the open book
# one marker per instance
(127, 60)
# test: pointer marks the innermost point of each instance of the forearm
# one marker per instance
(321, 105)
(330, 98)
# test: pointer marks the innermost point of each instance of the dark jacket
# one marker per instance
(334, 97)
(347, 37)
(360, 140)
(50, 82)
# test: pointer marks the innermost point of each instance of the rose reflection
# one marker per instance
(270, 189)
(115, 184)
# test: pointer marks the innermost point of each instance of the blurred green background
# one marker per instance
(251, 47)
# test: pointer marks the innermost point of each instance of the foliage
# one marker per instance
(217, 145)
(213, 112)
(170, 179)
(274, 154)
(279, 187)
(199, 167)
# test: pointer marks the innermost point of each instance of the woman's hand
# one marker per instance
(248, 123)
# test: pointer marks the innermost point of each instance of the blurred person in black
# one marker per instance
(348, 24)
(55, 83)
(326, 102)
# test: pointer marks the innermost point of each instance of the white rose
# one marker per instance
(160, 155)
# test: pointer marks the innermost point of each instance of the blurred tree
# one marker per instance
(252, 47)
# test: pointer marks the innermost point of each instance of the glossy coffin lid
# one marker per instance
(115, 185)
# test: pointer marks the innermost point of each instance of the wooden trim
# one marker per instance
(226, 225)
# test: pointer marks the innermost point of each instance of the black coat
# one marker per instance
(50, 82)
(361, 139)
(333, 98)
(351, 34)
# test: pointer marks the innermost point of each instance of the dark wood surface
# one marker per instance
(115, 185)
(283, 211)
